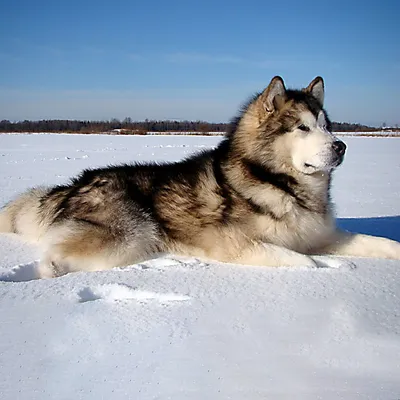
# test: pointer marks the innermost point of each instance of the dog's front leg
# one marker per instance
(270, 255)
(359, 245)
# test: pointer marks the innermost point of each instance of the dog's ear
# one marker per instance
(316, 88)
(274, 96)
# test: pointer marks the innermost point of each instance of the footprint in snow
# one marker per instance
(30, 271)
(21, 273)
(159, 264)
(117, 292)
(334, 262)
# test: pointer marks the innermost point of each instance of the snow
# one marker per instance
(180, 328)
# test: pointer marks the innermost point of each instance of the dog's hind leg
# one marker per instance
(84, 246)
(22, 215)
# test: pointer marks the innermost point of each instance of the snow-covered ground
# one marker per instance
(176, 328)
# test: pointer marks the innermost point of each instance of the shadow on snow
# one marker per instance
(388, 227)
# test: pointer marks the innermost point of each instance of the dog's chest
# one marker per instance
(299, 230)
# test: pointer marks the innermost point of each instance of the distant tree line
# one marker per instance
(127, 126)
(348, 127)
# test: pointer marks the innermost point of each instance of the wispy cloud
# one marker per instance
(25, 46)
(9, 57)
(93, 50)
(205, 58)
(52, 51)
(22, 46)
(136, 57)
(202, 58)
(281, 62)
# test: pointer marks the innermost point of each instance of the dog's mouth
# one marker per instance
(311, 168)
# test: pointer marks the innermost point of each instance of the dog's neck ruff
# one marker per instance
(295, 188)
(316, 201)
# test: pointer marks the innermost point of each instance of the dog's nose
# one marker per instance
(339, 147)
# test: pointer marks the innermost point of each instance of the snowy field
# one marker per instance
(182, 329)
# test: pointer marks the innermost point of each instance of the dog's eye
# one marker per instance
(304, 128)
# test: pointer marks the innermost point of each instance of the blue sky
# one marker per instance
(195, 59)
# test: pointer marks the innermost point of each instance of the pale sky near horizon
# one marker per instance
(195, 60)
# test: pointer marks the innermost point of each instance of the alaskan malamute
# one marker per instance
(260, 198)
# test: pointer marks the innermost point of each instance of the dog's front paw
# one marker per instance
(359, 245)
(394, 250)
(388, 249)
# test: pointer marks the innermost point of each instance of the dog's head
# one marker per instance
(292, 128)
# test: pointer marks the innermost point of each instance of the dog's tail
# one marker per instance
(23, 215)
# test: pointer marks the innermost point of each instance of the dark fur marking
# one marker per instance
(90, 222)
(281, 181)
(220, 155)
(298, 96)
(262, 210)
(227, 191)
(284, 182)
